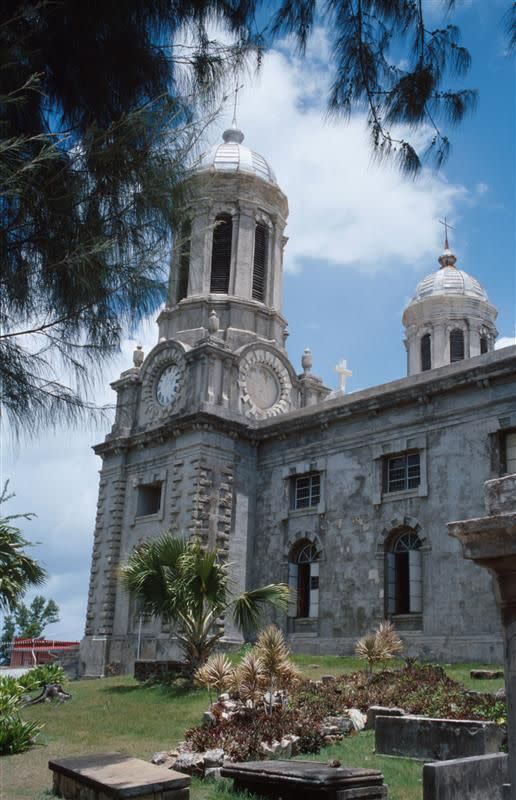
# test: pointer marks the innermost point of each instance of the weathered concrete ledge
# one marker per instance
(113, 775)
(476, 778)
(310, 780)
(424, 738)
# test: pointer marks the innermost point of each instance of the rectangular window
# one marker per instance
(306, 491)
(149, 499)
(509, 453)
(402, 472)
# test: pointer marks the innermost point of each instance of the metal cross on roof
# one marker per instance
(446, 226)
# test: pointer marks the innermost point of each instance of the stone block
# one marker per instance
(310, 780)
(424, 738)
(112, 776)
(486, 674)
(476, 778)
(383, 711)
(500, 495)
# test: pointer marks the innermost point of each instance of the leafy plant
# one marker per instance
(274, 655)
(189, 585)
(16, 734)
(217, 673)
(382, 645)
(42, 675)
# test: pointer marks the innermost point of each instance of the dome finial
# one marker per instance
(234, 134)
(447, 259)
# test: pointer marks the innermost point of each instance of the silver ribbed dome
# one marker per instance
(231, 156)
(449, 280)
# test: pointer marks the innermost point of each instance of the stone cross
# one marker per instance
(446, 226)
(344, 373)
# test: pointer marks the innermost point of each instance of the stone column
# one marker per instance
(490, 541)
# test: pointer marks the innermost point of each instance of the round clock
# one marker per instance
(167, 387)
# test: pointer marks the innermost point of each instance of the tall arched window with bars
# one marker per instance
(221, 254)
(426, 352)
(261, 239)
(456, 345)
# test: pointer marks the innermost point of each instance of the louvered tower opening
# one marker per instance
(221, 254)
(456, 345)
(260, 261)
(483, 345)
(426, 354)
(184, 260)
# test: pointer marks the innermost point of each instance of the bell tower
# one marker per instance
(228, 259)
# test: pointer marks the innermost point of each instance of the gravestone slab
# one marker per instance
(310, 780)
(113, 775)
(427, 739)
(476, 778)
(381, 711)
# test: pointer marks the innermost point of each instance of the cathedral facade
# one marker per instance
(218, 438)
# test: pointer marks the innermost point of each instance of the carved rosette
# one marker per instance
(265, 385)
(154, 411)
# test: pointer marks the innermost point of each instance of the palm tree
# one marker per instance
(180, 581)
(18, 571)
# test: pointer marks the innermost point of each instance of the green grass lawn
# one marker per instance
(117, 714)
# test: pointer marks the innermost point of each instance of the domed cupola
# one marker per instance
(228, 257)
(448, 319)
(231, 155)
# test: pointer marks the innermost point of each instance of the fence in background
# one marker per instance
(31, 652)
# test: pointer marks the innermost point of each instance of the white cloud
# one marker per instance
(345, 209)
(505, 341)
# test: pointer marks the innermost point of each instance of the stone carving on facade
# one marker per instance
(265, 385)
(171, 357)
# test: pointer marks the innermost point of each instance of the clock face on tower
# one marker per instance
(168, 385)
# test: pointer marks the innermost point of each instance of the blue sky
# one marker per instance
(361, 237)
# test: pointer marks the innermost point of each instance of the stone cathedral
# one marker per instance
(344, 496)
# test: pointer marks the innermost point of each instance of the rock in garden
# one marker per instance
(326, 679)
(212, 773)
(160, 758)
(343, 724)
(357, 718)
(213, 758)
(277, 749)
(189, 763)
(209, 719)
(500, 694)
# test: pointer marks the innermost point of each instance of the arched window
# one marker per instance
(303, 579)
(456, 345)
(261, 236)
(426, 354)
(221, 254)
(184, 260)
(483, 345)
(403, 575)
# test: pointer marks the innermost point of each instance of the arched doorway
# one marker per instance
(303, 579)
(403, 575)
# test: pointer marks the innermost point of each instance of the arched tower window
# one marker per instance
(456, 345)
(261, 235)
(221, 254)
(184, 260)
(403, 575)
(483, 345)
(303, 579)
(426, 353)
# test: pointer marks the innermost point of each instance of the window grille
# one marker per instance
(221, 254)
(184, 261)
(260, 261)
(483, 345)
(456, 345)
(307, 491)
(402, 472)
(509, 453)
(426, 355)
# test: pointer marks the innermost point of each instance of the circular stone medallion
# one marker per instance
(167, 386)
(263, 386)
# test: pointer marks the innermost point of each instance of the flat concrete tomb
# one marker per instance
(477, 778)
(310, 780)
(112, 775)
(430, 739)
